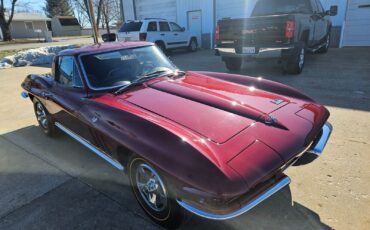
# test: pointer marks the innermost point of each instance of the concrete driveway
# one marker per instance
(57, 184)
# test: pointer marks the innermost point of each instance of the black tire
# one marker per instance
(325, 48)
(44, 119)
(295, 63)
(193, 45)
(161, 46)
(167, 213)
(233, 64)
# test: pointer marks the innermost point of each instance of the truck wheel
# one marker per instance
(295, 64)
(153, 194)
(44, 119)
(233, 64)
(325, 48)
(193, 45)
(161, 46)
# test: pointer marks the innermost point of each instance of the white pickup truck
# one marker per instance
(165, 34)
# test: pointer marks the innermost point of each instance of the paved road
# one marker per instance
(57, 42)
(57, 184)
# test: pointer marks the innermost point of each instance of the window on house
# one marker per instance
(29, 25)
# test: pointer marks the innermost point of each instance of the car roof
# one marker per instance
(106, 46)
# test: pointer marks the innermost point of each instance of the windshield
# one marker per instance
(273, 7)
(121, 67)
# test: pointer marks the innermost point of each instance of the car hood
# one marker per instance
(213, 108)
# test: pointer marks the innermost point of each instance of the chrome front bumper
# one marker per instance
(317, 150)
(320, 145)
(253, 203)
(262, 52)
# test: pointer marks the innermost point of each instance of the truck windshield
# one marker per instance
(273, 7)
(131, 27)
(121, 67)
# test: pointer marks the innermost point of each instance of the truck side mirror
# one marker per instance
(109, 37)
(333, 11)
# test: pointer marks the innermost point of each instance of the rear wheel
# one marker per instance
(43, 118)
(233, 64)
(193, 45)
(161, 46)
(295, 63)
(153, 194)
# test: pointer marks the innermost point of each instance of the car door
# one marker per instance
(165, 34)
(67, 95)
(180, 37)
(320, 22)
(153, 34)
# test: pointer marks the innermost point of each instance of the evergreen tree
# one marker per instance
(58, 8)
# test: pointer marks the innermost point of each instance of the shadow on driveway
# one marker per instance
(58, 184)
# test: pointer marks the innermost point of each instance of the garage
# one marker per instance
(233, 8)
(156, 9)
(357, 23)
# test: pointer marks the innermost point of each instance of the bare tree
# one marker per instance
(5, 23)
(111, 13)
(81, 12)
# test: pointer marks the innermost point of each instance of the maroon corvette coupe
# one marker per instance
(213, 144)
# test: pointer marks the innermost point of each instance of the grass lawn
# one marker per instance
(10, 52)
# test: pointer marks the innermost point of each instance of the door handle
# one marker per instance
(175, 34)
(162, 34)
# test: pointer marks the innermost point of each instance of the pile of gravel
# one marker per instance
(39, 56)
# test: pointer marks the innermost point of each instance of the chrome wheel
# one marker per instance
(151, 187)
(327, 41)
(301, 58)
(41, 115)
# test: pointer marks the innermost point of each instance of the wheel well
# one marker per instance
(31, 97)
(124, 154)
(160, 42)
(194, 38)
(305, 36)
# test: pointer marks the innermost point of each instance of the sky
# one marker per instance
(32, 5)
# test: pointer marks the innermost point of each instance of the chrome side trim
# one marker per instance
(87, 144)
(319, 147)
(266, 194)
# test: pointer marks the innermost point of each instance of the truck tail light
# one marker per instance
(217, 33)
(142, 36)
(289, 29)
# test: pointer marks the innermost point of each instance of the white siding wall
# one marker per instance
(156, 9)
(128, 9)
(342, 5)
(234, 8)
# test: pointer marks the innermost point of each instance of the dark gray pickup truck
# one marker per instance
(283, 30)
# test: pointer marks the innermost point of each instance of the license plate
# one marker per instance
(249, 50)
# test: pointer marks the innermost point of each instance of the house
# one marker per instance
(65, 26)
(28, 25)
(351, 27)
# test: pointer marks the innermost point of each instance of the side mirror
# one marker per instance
(182, 29)
(333, 11)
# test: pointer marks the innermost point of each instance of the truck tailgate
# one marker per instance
(256, 31)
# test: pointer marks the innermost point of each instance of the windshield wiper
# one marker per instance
(144, 78)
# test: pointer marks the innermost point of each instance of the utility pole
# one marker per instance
(92, 21)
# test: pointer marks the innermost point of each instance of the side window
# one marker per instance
(175, 27)
(68, 73)
(163, 26)
(152, 27)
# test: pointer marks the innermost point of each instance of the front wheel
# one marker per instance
(325, 48)
(233, 64)
(295, 64)
(193, 45)
(43, 118)
(153, 194)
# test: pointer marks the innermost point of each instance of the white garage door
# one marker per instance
(357, 25)
(156, 9)
(234, 8)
